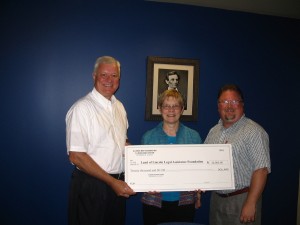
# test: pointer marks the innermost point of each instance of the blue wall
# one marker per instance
(48, 49)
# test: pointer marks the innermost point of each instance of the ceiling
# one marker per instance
(281, 8)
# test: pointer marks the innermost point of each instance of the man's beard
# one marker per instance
(231, 115)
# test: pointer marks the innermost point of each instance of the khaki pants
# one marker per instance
(227, 211)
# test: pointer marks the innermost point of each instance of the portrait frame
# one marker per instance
(188, 71)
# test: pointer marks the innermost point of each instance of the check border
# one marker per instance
(179, 167)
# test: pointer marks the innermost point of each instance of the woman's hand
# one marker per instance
(198, 199)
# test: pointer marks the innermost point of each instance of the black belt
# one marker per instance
(119, 176)
(241, 191)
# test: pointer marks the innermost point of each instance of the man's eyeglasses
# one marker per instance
(168, 107)
(231, 102)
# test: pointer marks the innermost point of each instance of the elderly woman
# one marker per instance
(170, 206)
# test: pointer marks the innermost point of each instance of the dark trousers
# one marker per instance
(92, 202)
(169, 212)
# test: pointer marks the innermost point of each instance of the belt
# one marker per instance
(119, 176)
(241, 191)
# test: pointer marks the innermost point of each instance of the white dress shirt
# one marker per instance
(98, 127)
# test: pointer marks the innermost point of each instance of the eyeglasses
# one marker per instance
(232, 102)
(175, 107)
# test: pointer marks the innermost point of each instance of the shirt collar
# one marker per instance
(102, 100)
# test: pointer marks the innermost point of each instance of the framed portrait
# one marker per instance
(165, 73)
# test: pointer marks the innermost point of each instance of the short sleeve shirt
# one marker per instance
(250, 148)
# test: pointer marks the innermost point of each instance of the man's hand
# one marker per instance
(121, 188)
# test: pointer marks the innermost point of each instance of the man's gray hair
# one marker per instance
(107, 60)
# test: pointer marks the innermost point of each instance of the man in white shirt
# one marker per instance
(96, 135)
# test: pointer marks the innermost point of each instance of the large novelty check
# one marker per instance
(179, 167)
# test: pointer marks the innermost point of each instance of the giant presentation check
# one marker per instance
(179, 167)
